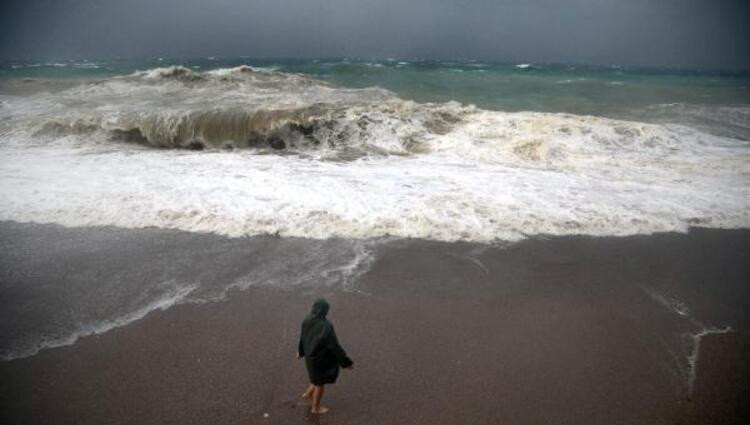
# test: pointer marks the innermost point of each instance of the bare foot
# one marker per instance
(319, 411)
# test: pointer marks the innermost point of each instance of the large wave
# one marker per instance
(244, 108)
(352, 162)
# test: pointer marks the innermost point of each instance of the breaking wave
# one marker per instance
(243, 107)
(246, 107)
(731, 122)
(312, 159)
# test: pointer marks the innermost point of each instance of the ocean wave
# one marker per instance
(726, 121)
(185, 74)
(397, 128)
(173, 72)
(314, 160)
(246, 107)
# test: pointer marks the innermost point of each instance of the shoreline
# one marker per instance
(546, 330)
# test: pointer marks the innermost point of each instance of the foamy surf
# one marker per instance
(291, 155)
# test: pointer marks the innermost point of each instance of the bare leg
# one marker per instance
(317, 395)
(308, 392)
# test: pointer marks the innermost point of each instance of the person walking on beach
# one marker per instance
(323, 354)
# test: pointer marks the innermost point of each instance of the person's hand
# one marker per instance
(297, 355)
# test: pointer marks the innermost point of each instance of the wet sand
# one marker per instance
(572, 330)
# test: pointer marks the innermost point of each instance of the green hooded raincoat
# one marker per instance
(320, 347)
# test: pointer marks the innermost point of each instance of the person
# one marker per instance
(322, 353)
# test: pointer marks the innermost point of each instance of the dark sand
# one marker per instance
(546, 331)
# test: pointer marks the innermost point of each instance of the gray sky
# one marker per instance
(674, 33)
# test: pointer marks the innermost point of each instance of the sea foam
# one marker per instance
(290, 155)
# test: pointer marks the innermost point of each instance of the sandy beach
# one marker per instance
(570, 330)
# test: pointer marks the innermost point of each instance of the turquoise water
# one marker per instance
(606, 91)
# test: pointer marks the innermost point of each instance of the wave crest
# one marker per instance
(397, 127)
(169, 73)
(242, 73)
(250, 108)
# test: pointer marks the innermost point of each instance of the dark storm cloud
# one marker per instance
(676, 33)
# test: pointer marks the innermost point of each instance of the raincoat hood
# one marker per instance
(320, 309)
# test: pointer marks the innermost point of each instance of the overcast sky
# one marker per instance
(674, 33)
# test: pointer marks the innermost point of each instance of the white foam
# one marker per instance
(238, 70)
(444, 172)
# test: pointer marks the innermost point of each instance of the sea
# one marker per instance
(355, 151)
